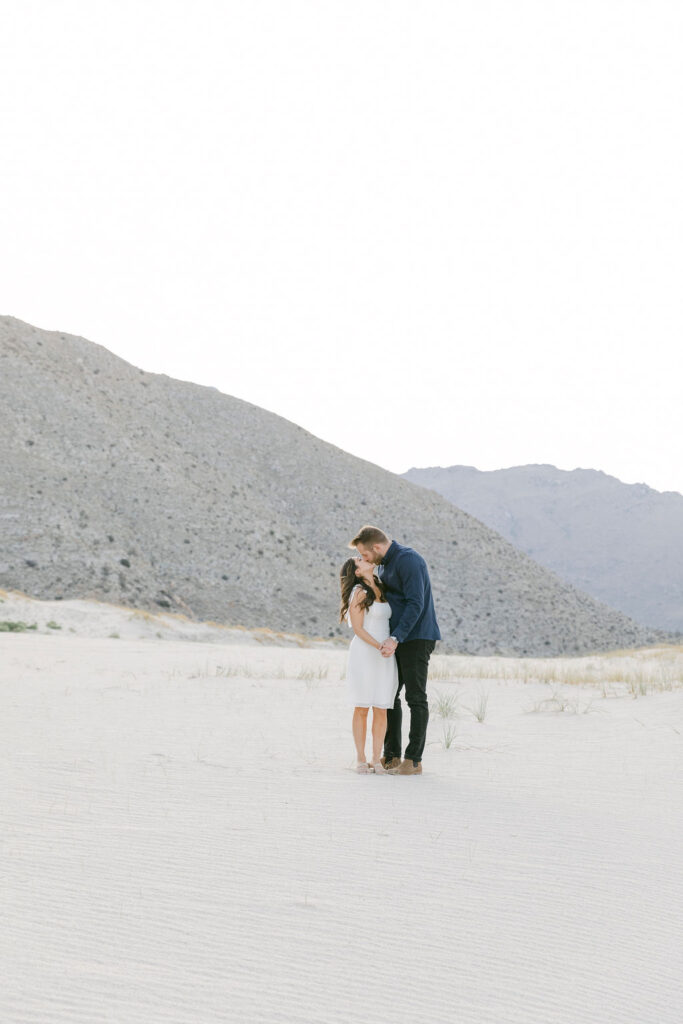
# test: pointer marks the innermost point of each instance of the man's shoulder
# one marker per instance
(406, 554)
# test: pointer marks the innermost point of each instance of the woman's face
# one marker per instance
(363, 568)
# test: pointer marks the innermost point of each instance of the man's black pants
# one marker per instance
(412, 658)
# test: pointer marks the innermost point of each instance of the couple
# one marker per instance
(391, 612)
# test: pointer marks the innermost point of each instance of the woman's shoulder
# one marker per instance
(359, 593)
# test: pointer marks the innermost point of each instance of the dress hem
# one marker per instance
(380, 707)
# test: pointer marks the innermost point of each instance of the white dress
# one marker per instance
(371, 679)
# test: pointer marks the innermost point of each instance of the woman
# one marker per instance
(371, 679)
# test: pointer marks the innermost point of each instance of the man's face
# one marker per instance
(370, 554)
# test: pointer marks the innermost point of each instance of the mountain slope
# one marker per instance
(154, 492)
(621, 543)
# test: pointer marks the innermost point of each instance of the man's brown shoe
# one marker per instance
(408, 768)
(389, 763)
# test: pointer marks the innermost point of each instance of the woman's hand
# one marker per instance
(388, 647)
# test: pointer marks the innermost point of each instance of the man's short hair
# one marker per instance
(369, 535)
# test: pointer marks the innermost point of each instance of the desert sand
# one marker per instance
(184, 841)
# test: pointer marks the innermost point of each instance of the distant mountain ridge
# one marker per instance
(621, 543)
(153, 492)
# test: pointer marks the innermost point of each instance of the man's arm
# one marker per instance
(412, 574)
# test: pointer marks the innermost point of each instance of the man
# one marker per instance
(414, 632)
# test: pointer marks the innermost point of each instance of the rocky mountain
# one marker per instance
(621, 543)
(136, 488)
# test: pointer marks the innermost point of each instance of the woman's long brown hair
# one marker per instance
(349, 580)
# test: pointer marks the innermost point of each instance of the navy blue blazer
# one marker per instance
(409, 592)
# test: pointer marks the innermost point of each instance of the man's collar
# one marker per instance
(391, 551)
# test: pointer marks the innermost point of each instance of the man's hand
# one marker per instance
(388, 648)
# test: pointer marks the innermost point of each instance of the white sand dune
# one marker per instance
(183, 842)
(99, 619)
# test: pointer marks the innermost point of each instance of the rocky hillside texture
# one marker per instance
(155, 493)
(621, 543)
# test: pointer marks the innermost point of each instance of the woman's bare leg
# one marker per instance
(360, 728)
(379, 728)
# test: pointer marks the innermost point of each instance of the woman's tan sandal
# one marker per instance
(362, 767)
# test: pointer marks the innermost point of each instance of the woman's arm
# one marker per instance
(357, 615)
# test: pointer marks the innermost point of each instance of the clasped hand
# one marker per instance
(388, 648)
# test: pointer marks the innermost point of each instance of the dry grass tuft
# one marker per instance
(638, 672)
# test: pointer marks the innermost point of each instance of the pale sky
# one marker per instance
(432, 233)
